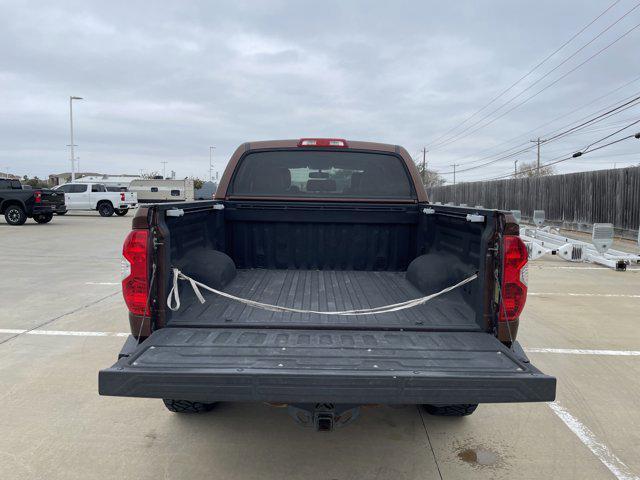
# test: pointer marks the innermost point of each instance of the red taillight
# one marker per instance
(38, 196)
(514, 278)
(135, 286)
(122, 197)
(323, 142)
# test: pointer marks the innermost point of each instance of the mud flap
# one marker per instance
(326, 366)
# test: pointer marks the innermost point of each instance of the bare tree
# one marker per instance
(529, 169)
(430, 178)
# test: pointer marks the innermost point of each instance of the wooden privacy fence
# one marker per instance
(574, 201)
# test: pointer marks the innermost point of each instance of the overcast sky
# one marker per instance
(165, 80)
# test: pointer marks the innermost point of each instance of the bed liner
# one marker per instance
(324, 290)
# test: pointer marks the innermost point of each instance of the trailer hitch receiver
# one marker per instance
(323, 417)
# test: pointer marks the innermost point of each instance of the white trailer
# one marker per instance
(163, 190)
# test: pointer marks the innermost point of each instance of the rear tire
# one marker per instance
(187, 406)
(105, 209)
(14, 215)
(121, 212)
(457, 410)
(43, 217)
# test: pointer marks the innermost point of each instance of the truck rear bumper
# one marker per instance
(38, 209)
(300, 366)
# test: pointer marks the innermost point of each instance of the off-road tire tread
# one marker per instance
(187, 406)
(459, 410)
(23, 216)
(108, 213)
(43, 218)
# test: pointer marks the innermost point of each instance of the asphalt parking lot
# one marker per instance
(62, 319)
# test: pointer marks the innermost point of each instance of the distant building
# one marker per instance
(119, 181)
(60, 178)
(116, 181)
(9, 176)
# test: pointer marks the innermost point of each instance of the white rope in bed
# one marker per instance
(173, 300)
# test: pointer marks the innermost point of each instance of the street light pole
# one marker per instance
(211, 149)
(515, 168)
(73, 158)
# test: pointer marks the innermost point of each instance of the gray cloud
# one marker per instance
(165, 80)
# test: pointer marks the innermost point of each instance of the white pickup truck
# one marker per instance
(94, 196)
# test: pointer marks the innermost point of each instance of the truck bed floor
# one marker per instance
(323, 291)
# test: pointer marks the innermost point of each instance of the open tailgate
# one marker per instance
(338, 366)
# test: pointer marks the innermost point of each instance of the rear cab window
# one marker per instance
(76, 188)
(322, 174)
(9, 184)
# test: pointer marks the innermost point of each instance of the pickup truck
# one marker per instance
(300, 230)
(95, 196)
(18, 203)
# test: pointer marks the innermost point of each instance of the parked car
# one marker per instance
(18, 203)
(156, 190)
(338, 243)
(95, 196)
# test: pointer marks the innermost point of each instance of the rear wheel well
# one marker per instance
(8, 203)
(101, 202)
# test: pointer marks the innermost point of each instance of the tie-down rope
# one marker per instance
(173, 300)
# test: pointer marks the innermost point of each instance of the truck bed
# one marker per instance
(323, 290)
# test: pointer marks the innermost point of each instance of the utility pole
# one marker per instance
(211, 149)
(73, 158)
(454, 180)
(515, 168)
(538, 141)
(424, 166)
(164, 168)
(454, 171)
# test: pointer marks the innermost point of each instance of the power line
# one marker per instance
(592, 121)
(462, 133)
(534, 130)
(606, 114)
(538, 65)
(576, 154)
(610, 135)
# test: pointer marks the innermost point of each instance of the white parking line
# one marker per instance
(600, 450)
(68, 333)
(545, 267)
(581, 351)
(562, 294)
(541, 267)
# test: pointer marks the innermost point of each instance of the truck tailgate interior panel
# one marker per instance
(229, 364)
